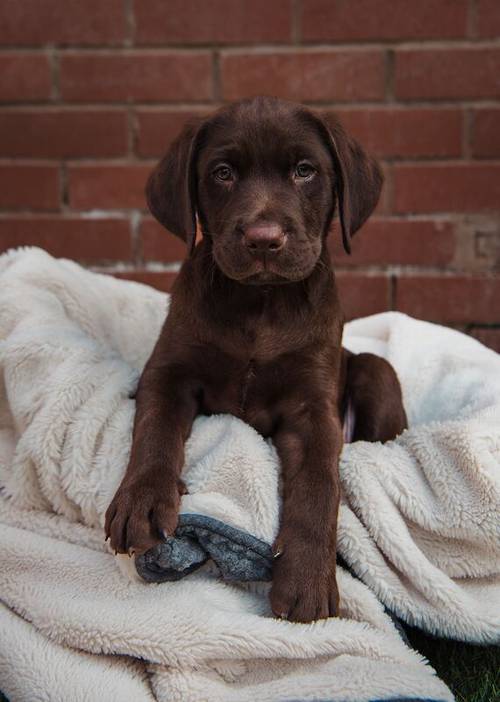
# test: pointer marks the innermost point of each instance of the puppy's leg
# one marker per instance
(372, 403)
(146, 503)
(304, 582)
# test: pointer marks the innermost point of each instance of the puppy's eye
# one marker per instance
(304, 171)
(223, 173)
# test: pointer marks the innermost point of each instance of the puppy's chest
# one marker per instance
(255, 369)
(247, 390)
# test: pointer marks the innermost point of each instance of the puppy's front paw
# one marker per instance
(139, 515)
(304, 585)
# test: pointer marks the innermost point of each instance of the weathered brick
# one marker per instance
(157, 128)
(167, 76)
(488, 18)
(397, 242)
(363, 294)
(29, 186)
(454, 187)
(447, 73)
(216, 21)
(156, 279)
(159, 244)
(88, 240)
(59, 133)
(24, 77)
(87, 22)
(107, 186)
(304, 75)
(408, 133)
(486, 133)
(156, 76)
(452, 299)
(324, 20)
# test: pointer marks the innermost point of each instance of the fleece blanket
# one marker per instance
(418, 524)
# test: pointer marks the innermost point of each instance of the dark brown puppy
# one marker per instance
(255, 330)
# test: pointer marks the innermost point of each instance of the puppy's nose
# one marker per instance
(264, 238)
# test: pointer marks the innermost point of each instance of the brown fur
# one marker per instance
(255, 330)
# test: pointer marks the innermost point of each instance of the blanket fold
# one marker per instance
(418, 523)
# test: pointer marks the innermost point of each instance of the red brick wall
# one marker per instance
(93, 91)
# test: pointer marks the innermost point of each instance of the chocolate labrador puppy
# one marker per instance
(255, 330)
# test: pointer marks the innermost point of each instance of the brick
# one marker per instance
(454, 187)
(305, 75)
(397, 242)
(487, 243)
(24, 77)
(157, 128)
(156, 279)
(452, 299)
(447, 73)
(29, 187)
(160, 245)
(86, 22)
(488, 18)
(489, 336)
(406, 133)
(155, 76)
(324, 20)
(486, 133)
(362, 294)
(107, 186)
(54, 133)
(220, 21)
(88, 240)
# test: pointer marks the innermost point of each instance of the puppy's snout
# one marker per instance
(264, 238)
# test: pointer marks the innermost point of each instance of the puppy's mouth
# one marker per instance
(262, 269)
(265, 278)
(263, 272)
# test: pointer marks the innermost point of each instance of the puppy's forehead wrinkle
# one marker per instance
(259, 153)
(255, 140)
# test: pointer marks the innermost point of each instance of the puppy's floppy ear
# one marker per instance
(171, 187)
(359, 178)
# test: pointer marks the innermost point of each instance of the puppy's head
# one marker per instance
(264, 178)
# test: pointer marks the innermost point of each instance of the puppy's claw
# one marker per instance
(277, 551)
(181, 486)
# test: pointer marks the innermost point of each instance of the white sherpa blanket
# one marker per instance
(418, 523)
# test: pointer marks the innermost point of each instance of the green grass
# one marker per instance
(471, 672)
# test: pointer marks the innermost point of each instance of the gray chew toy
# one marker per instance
(238, 555)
